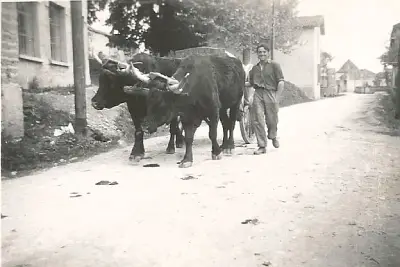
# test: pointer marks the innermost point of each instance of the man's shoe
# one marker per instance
(275, 143)
(260, 150)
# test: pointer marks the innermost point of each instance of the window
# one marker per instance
(57, 33)
(27, 29)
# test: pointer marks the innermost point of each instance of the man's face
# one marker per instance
(262, 53)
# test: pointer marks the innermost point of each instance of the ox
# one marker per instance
(202, 88)
(111, 93)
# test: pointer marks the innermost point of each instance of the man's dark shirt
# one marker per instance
(267, 79)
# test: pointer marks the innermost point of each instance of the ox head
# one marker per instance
(110, 92)
(114, 77)
(165, 95)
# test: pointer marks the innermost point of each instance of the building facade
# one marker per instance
(36, 52)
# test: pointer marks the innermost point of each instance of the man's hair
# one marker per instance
(266, 47)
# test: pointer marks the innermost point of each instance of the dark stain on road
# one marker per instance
(189, 177)
(251, 221)
(151, 165)
(103, 182)
(75, 194)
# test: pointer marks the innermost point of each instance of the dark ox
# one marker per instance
(202, 88)
(111, 93)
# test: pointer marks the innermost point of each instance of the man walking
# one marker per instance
(267, 79)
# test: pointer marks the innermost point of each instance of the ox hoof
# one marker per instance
(170, 151)
(185, 164)
(179, 145)
(229, 151)
(136, 158)
(216, 157)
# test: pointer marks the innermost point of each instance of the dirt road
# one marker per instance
(330, 196)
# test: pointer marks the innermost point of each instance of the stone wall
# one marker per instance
(12, 119)
(199, 51)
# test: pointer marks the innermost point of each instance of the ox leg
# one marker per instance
(179, 135)
(212, 134)
(138, 151)
(190, 129)
(174, 133)
(190, 126)
(233, 112)
(225, 126)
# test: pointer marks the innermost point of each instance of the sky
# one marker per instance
(357, 30)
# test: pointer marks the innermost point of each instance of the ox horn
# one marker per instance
(97, 59)
(138, 74)
(178, 88)
(169, 80)
(137, 63)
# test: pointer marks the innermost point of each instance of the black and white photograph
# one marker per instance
(200, 133)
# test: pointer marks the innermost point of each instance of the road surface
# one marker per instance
(329, 196)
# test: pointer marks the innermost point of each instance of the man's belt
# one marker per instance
(258, 87)
(262, 87)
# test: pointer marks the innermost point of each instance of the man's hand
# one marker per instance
(281, 86)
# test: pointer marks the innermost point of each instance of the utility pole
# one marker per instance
(273, 30)
(78, 28)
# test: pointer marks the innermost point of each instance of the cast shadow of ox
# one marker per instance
(113, 80)
(202, 88)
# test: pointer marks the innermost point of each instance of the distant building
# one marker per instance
(367, 77)
(349, 76)
(99, 41)
(302, 66)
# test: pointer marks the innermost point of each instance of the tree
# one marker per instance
(384, 59)
(165, 25)
(244, 23)
(162, 27)
(93, 6)
(325, 58)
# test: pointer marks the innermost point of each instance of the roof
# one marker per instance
(350, 70)
(381, 75)
(312, 22)
(90, 28)
(367, 74)
(348, 66)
